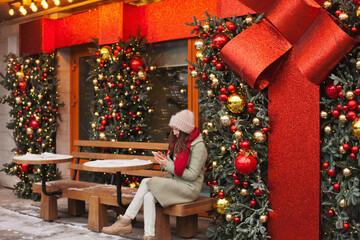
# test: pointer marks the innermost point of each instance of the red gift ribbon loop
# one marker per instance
(301, 26)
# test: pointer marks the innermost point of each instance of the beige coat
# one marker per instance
(173, 189)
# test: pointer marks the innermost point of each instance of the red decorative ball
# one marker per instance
(245, 184)
(196, 28)
(22, 86)
(346, 146)
(357, 91)
(107, 98)
(223, 97)
(245, 164)
(331, 172)
(355, 149)
(233, 147)
(352, 156)
(103, 122)
(233, 128)
(220, 28)
(24, 168)
(335, 113)
(252, 203)
(135, 63)
(223, 90)
(231, 27)
(121, 134)
(236, 182)
(351, 115)
(325, 165)
(352, 104)
(203, 77)
(258, 192)
(345, 226)
(234, 175)
(231, 88)
(236, 219)
(220, 41)
(331, 90)
(336, 186)
(219, 66)
(331, 212)
(221, 194)
(34, 124)
(245, 145)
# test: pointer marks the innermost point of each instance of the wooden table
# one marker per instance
(115, 166)
(43, 159)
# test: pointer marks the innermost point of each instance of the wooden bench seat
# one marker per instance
(100, 196)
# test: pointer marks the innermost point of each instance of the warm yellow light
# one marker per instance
(44, 4)
(22, 10)
(11, 12)
(57, 2)
(33, 7)
(70, 1)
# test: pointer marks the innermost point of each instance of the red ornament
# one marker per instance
(22, 86)
(220, 41)
(331, 212)
(221, 194)
(214, 182)
(331, 172)
(223, 90)
(107, 98)
(245, 164)
(355, 149)
(223, 97)
(236, 182)
(325, 165)
(135, 63)
(34, 124)
(331, 90)
(231, 88)
(258, 192)
(203, 77)
(345, 108)
(103, 122)
(345, 226)
(335, 113)
(352, 104)
(346, 146)
(234, 175)
(351, 115)
(265, 130)
(231, 27)
(352, 156)
(336, 186)
(219, 66)
(245, 184)
(220, 28)
(245, 145)
(252, 203)
(196, 28)
(233, 147)
(233, 128)
(24, 168)
(357, 91)
(236, 219)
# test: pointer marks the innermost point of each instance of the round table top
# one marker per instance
(117, 165)
(44, 158)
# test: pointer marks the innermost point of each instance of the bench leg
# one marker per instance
(97, 215)
(76, 207)
(162, 225)
(187, 226)
(48, 208)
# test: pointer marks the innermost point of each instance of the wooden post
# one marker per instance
(187, 226)
(97, 215)
(162, 225)
(48, 208)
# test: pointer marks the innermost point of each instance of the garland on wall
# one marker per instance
(34, 105)
(235, 132)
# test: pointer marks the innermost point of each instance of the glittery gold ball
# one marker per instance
(212, 76)
(263, 218)
(200, 55)
(119, 77)
(342, 203)
(51, 120)
(327, 4)
(105, 53)
(210, 125)
(199, 45)
(355, 128)
(220, 204)
(102, 136)
(342, 118)
(101, 77)
(243, 192)
(93, 125)
(248, 20)
(95, 81)
(223, 150)
(152, 68)
(205, 132)
(238, 134)
(40, 96)
(29, 104)
(141, 75)
(96, 114)
(349, 95)
(358, 12)
(194, 73)
(150, 110)
(210, 93)
(206, 28)
(214, 164)
(96, 88)
(215, 82)
(21, 119)
(132, 87)
(346, 172)
(121, 104)
(236, 103)
(342, 150)
(215, 189)
(225, 120)
(148, 89)
(343, 17)
(327, 129)
(259, 137)
(29, 131)
(101, 102)
(256, 121)
(37, 62)
(17, 100)
(357, 65)
(229, 217)
(140, 132)
(37, 118)
(39, 130)
(323, 115)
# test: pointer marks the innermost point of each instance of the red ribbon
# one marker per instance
(301, 26)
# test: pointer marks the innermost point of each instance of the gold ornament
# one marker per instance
(210, 125)
(152, 68)
(132, 87)
(96, 88)
(21, 119)
(215, 189)
(102, 136)
(236, 103)
(37, 61)
(93, 125)
(223, 150)
(113, 140)
(210, 93)
(37, 118)
(132, 185)
(18, 100)
(212, 76)
(150, 110)
(20, 124)
(357, 65)
(355, 128)
(29, 131)
(263, 218)
(256, 121)
(200, 55)
(328, 130)
(229, 217)
(225, 120)
(342, 203)
(141, 75)
(199, 45)
(105, 53)
(29, 150)
(101, 77)
(29, 104)
(346, 172)
(215, 82)
(121, 104)
(119, 77)
(206, 28)
(259, 137)
(20, 74)
(194, 73)
(358, 12)
(343, 17)
(342, 118)
(327, 4)
(140, 132)
(243, 192)
(101, 102)
(214, 164)
(205, 132)
(349, 95)
(249, 20)
(148, 89)
(96, 114)
(40, 96)
(51, 120)
(342, 150)
(238, 135)
(39, 130)
(95, 81)
(220, 204)
(323, 115)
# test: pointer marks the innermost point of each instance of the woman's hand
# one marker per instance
(161, 159)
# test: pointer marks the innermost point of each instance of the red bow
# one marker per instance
(301, 26)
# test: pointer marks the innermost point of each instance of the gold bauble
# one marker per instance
(342, 150)
(102, 136)
(256, 121)
(148, 89)
(20, 74)
(113, 140)
(236, 103)
(223, 150)
(249, 20)
(327, 4)
(263, 218)
(29, 131)
(150, 110)
(259, 137)
(328, 130)
(152, 68)
(140, 132)
(349, 95)
(323, 115)
(101, 77)
(200, 55)
(21, 119)
(212, 76)
(343, 17)
(29, 104)
(39, 130)
(243, 192)
(206, 28)
(194, 73)
(141, 75)
(210, 93)
(214, 164)
(358, 12)
(215, 82)
(342, 118)
(96, 114)
(17, 100)
(215, 189)
(95, 81)
(119, 77)
(101, 102)
(51, 120)
(121, 104)
(346, 172)
(220, 204)
(238, 134)
(225, 120)
(93, 125)
(20, 124)
(40, 96)
(132, 185)
(210, 125)
(132, 87)
(29, 150)
(342, 203)
(355, 128)
(37, 61)
(98, 60)
(357, 65)
(105, 53)
(229, 217)
(205, 132)
(96, 88)
(199, 45)
(37, 118)
(48, 102)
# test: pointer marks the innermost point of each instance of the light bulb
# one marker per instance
(22, 10)
(11, 12)
(33, 7)
(57, 2)
(44, 4)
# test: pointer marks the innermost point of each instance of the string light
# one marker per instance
(11, 11)
(22, 10)
(33, 6)
(44, 4)
(57, 2)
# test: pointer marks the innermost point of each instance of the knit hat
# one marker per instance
(183, 120)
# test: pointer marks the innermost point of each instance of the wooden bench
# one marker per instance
(100, 196)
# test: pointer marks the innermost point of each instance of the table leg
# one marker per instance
(118, 188)
(43, 184)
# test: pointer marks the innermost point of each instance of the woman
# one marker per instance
(184, 162)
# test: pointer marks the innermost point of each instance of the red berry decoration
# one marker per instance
(220, 41)
(331, 90)
(234, 175)
(245, 164)
(196, 28)
(34, 124)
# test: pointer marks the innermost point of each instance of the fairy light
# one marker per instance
(33, 6)
(11, 11)
(22, 10)
(44, 4)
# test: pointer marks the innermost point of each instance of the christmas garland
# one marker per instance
(34, 102)
(235, 133)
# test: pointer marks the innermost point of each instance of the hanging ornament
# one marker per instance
(105, 53)
(135, 63)
(34, 124)
(259, 137)
(349, 95)
(263, 218)
(323, 115)
(229, 217)
(342, 118)
(22, 86)
(220, 41)
(141, 75)
(243, 192)
(236, 103)
(238, 134)
(327, 4)
(206, 28)
(346, 172)
(200, 55)
(210, 125)
(17, 100)
(355, 128)
(199, 45)
(331, 90)
(256, 121)
(29, 131)
(223, 150)
(245, 163)
(220, 204)
(328, 129)
(20, 75)
(225, 120)
(102, 136)
(248, 20)
(210, 93)
(343, 17)
(342, 203)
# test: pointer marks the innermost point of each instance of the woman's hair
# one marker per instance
(178, 144)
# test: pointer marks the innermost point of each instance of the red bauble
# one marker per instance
(331, 172)
(245, 164)
(336, 186)
(245, 145)
(219, 66)
(236, 182)
(352, 104)
(231, 27)
(135, 63)
(233, 128)
(245, 184)
(103, 122)
(221, 194)
(345, 226)
(234, 175)
(231, 88)
(220, 41)
(34, 124)
(331, 90)
(355, 149)
(335, 113)
(223, 97)
(22, 86)
(351, 115)
(236, 219)
(223, 90)
(325, 165)
(24, 168)
(107, 98)
(258, 192)
(331, 212)
(346, 146)
(252, 203)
